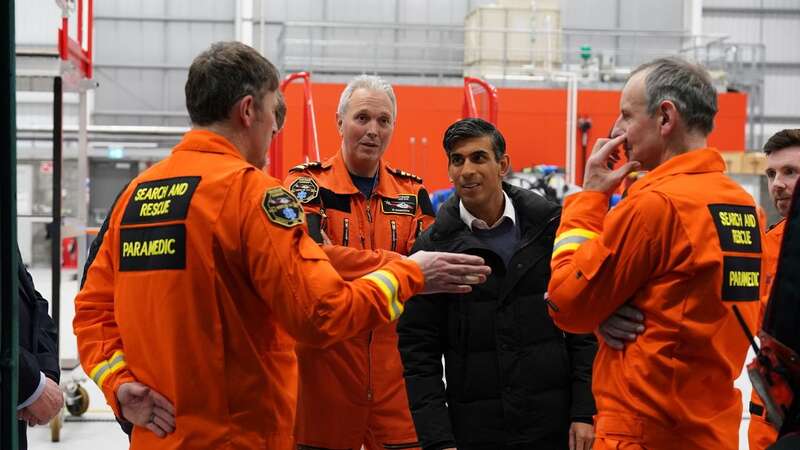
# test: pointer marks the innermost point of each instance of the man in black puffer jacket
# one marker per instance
(514, 380)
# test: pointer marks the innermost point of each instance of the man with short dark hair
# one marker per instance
(205, 277)
(684, 248)
(783, 170)
(514, 380)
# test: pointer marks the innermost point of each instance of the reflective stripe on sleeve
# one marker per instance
(388, 284)
(106, 368)
(572, 239)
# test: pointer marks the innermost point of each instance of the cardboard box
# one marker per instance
(754, 163)
(733, 161)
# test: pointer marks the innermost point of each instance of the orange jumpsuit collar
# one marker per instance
(693, 161)
(207, 142)
(344, 185)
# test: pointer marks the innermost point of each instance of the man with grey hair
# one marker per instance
(683, 249)
(352, 393)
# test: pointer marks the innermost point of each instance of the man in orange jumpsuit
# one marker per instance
(683, 248)
(353, 394)
(783, 169)
(205, 277)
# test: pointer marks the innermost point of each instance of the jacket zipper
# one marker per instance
(346, 232)
(369, 367)
(371, 332)
(393, 225)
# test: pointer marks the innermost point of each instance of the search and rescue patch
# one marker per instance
(160, 200)
(737, 228)
(740, 279)
(152, 248)
(282, 207)
(305, 189)
(403, 204)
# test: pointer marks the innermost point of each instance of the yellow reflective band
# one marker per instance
(571, 240)
(106, 368)
(388, 284)
(565, 247)
(576, 232)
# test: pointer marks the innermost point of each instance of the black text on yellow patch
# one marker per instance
(402, 204)
(740, 279)
(152, 248)
(305, 189)
(282, 208)
(737, 227)
(160, 200)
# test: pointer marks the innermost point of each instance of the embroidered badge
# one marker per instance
(402, 204)
(282, 207)
(305, 189)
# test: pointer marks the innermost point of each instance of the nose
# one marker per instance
(372, 129)
(779, 183)
(617, 129)
(467, 169)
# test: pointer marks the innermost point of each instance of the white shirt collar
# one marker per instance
(475, 223)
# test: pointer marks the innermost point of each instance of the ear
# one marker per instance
(505, 165)
(245, 110)
(339, 120)
(667, 117)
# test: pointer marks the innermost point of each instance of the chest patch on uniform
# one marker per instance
(153, 248)
(402, 204)
(160, 200)
(282, 207)
(737, 227)
(741, 276)
(305, 189)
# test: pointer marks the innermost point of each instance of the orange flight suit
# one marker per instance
(683, 247)
(203, 282)
(760, 434)
(353, 392)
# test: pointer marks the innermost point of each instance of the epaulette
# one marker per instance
(308, 165)
(405, 174)
(774, 225)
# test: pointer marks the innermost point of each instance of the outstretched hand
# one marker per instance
(147, 408)
(599, 176)
(450, 272)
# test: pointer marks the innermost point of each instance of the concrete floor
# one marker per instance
(100, 431)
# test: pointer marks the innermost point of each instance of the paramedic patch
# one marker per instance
(152, 248)
(402, 204)
(737, 227)
(282, 208)
(740, 279)
(160, 200)
(305, 189)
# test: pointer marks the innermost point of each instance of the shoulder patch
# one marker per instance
(282, 207)
(308, 165)
(305, 189)
(404, 174)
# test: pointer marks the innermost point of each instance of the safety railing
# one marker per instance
(310, 139)
(454, 51)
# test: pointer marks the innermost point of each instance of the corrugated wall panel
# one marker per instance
(745, 29)
(782, 93)
(751, 3)
(782, 38)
